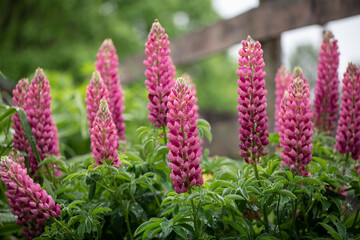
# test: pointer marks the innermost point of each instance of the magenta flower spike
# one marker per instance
(185, 152)
(296, 127)
(107, 65)
(29, 202)
(159, 73)
(19, 94)
(282, 79)
(252, 102)
(104, 139)
(327, 83)
(37, 104)
(95, 91)
(348, 130)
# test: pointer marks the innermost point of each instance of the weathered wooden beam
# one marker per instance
(266, 22)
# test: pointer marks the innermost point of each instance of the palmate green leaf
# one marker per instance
(204, 126)
(331, 231)
(159, 153)
(75, 203)
(180, 232)
(237, 226)
(99, 210)
(322, 162)
(221, 184)
(151, 224)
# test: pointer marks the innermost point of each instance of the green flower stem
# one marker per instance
(263, 208)
(126, 214)
(164, 132)
(294, 216)
(195, 219)
(278, 216)
(123, 209)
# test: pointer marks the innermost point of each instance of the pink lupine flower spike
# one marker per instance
(327, 82)
(19, 95)
(29, 202)
(104, 139)
(159, 73)
(37, 106)
(282, 79)
(185, 151)
(107, 65)
(348, 130)
(252, 102)
(296, 127)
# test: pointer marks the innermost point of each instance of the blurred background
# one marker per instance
(63, 37)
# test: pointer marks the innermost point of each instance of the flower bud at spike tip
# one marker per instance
(107, 66)
(19, 95)
(283, 79)
(37, 106)
(327, 83)
(95, 91)
(29, 202)
(252, 102)
(348, 130)
(296, 127)
(104, 139)
(160, 74)
(185, 151)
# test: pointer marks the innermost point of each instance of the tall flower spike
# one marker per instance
(19, 94)
(95, 91)
(160, 74)
(38, 112)
(29, 202)
(296, 127)
(327, 82)
(348, 130)
(104, 139)
(107, 65)
(282, 79)
(184, 154)
(252, 102)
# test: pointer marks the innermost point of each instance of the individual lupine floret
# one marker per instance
(282, 79)
(327, 83)
(96, 90)
(252, 102)
(19, 94)
(348, 130)
(104, 139)
(159, 74)
(107, 65)
(29, 202)
(37, 104)
(184, 154)
(296, 127)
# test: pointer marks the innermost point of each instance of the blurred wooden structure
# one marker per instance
(264, 23)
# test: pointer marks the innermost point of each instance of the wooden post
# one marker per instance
(272, 58)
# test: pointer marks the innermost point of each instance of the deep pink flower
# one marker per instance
(19, 94)
(184, 154)
(296, 127)
(282, 79)
(104, 140)
(29, 202)
(95, 91)
(37, 106)
(348, 130)
(160, 74)
(252, 102)
(327, 83)
(107, 65)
